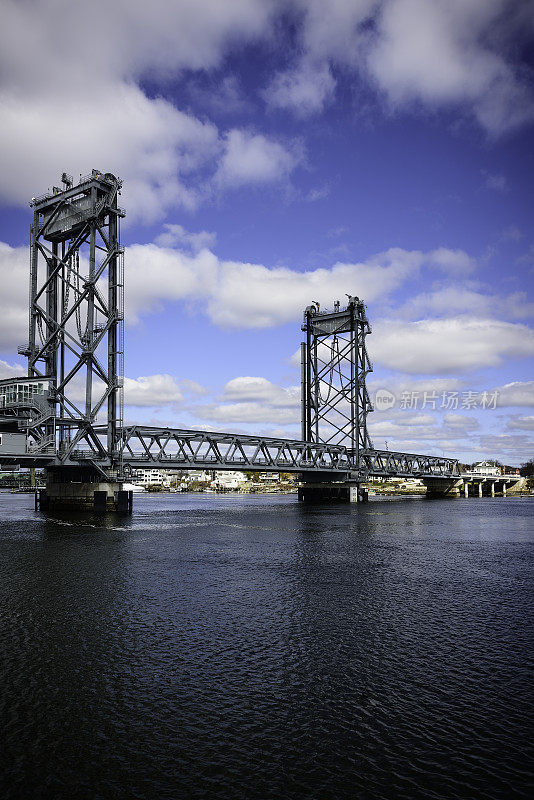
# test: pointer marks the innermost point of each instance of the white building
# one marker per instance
(229, 480)
(269, 476)
(486, 468)
(153, 477)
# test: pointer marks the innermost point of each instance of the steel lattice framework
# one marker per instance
(188, 449)
(386, 463)
(335, 365)
(76, 318)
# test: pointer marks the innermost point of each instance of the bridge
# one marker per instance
(67, 414)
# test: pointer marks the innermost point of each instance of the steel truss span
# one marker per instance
(175, 448)
(385, 463)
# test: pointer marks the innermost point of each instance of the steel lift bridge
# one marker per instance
(67, 414)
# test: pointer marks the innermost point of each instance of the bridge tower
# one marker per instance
(76, 328)
(335, 365)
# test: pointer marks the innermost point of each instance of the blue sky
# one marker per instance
(276, 152)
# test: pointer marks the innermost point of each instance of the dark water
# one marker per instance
(254, 648)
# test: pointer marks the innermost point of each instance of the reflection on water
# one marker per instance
(253, 648)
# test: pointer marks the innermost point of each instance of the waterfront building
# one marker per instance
(486, 468)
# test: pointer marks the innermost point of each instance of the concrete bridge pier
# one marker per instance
(444, 487)
(81, 489)
(324, 491)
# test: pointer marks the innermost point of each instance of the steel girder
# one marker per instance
(176, 448)
(385, 463)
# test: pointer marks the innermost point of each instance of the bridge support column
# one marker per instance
(466, 489)
(333, 493)
(443, 487)
(493, 488)
(503, 489)
(480, 489)
(82, 490)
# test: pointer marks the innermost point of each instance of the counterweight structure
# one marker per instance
(76, 321)
(335, 365)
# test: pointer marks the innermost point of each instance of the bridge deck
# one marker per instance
(178, 448)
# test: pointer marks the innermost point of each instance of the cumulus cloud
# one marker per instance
(15, 271)
(151, 390)
(515, 448)
(148, 142)
(516, 393)
(454, 262)
(250, 399)
(521, 423)
(81, 98)
(304, 90)
(440, 54)
(252, 158)
(244, 389)
(453, 299)
(273, 296)
(177, 235)
(11, 370)
(449, 345)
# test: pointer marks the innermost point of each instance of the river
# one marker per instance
(251, 647)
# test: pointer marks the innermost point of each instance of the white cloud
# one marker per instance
(252, 158)
(240, 295)
(234, 294)
(11, 370)
(79, 95)
(250, 399)
(305, 89)
(521, 423)
(177, 235)
(439, 54)
(454, 262)
(449, 345)
(516, 393)
(159, 390)
(278, 295)
(247, 388)
(514, 448)
(151, 390)
(332, 28)
(138, 38)
(172, 275)
(461, 422)
(454, 299)
(242, 413)
(15, 271)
